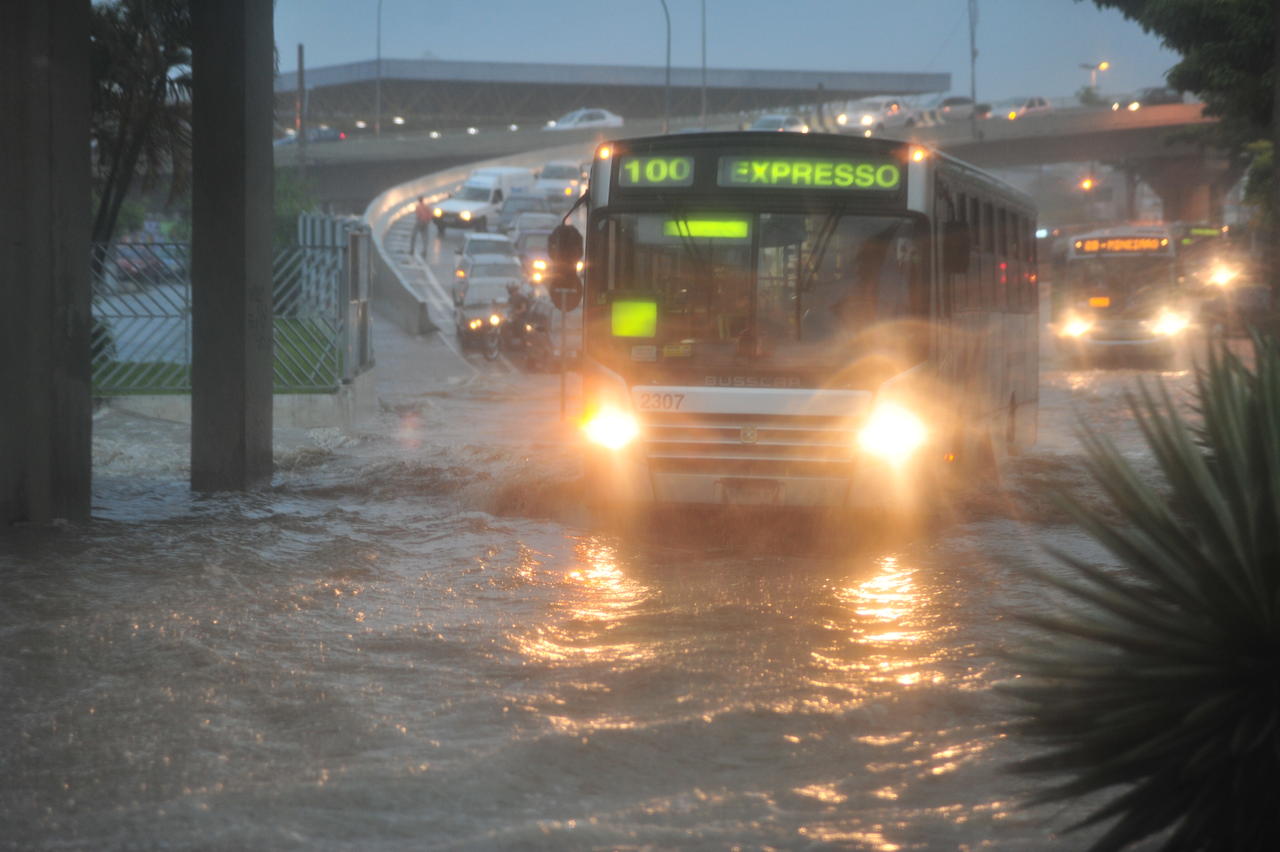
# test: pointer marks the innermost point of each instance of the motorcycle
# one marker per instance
(528, 334)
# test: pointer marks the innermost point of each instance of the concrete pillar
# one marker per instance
(231, 213)
(46, 412)
(1191, 188)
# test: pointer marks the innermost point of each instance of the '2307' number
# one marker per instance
(661, 401)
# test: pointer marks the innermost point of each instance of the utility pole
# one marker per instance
(666, 91)
(703, 123)
(300, 115)
(377, 87)
(973, 66)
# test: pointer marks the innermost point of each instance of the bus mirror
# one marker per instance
(564, 244)
(955, 248)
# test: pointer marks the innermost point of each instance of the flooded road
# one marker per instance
(417, 639)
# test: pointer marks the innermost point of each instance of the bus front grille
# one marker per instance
(749, 444)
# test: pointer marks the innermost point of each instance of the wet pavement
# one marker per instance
(417, 638)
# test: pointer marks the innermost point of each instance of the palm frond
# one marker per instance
(1160, 681)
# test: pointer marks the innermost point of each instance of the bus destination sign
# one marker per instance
(636, 171)
(809, 173)
(1120, 245)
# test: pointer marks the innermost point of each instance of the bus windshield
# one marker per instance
(766, 289)
(1125, 285)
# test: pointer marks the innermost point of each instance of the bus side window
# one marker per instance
(987, 274)
(961, 294)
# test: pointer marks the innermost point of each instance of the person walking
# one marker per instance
(422, 219)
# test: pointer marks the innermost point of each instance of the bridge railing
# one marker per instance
(396, 297)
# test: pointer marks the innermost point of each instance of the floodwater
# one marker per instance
(416, 638)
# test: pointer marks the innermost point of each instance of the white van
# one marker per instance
(477, 201)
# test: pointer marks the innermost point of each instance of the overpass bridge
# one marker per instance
(439, 94)
(1154, 144)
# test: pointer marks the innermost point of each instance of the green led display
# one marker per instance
(723, 229)
(805, 173)
(634, 318)
(655, 171)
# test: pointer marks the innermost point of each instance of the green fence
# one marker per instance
(142, 317)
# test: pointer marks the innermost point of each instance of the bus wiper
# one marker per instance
(825, 233)
(701, 266)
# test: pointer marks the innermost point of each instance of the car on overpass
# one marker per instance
(1153, 96)
(586, 117)
(872, 114)
(1015, 108)
(780, 123)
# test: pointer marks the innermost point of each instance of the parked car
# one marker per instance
(780, 123)
(586, 117)
(1148, 97)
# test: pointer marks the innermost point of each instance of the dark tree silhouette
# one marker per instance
(141, 64)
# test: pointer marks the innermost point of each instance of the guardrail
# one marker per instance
(141, 338)
(396, 297)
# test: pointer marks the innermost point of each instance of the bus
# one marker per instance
(811, 321)
(1120, 297)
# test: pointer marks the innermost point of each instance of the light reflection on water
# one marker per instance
(363, 657)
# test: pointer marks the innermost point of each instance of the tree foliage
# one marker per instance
(1228, 55)
(141, 121)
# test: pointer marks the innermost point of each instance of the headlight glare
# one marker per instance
(1075, 327)
(892, 433)
(465, 215)
(1168, 323)
(611, 428)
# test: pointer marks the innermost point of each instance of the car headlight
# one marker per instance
(539, 264)
(495, 319)
(465, 215)
(1168, 323)
(892, 433)
(1075, 326)
(611, 427)
(867, 120)
(475, 323)
(437, 212)
(842, 119)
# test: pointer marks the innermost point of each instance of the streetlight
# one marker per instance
(1093, 69)
(666, 92)
(377, 89)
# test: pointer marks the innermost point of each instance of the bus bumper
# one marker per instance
(630, 479)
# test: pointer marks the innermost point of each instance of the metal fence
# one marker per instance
(141, 341)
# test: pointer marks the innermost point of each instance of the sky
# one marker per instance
(1025, 47)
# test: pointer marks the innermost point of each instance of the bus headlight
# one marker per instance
(892, 433)
(611, 427)
(1168, 323)
(1221, 276)
(1075, 326)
